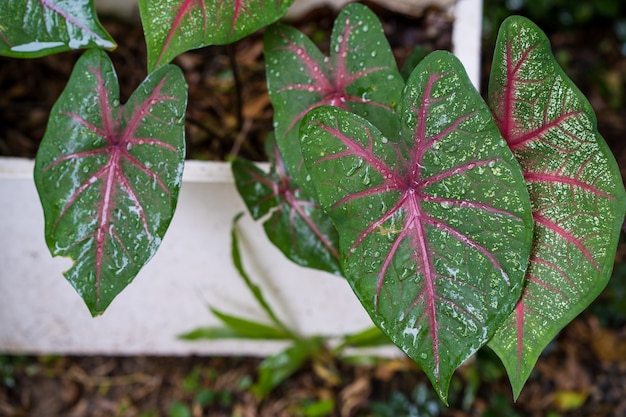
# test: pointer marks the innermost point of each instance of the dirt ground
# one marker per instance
(581, 374)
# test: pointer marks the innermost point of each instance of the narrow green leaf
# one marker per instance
(250, 329)
(575, 186)
(297, 225)
(108, 176)
(34, 28)
(211, 333)
(360, 75)
(434, 223)
(254, 289)
(172, 27)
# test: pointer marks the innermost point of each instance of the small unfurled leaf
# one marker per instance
(297, 225)
(108, 176)
(277, 368)
(172, 27)
(575, 186)
(360, 75)
(34, 28)
(254, 289)
(434, 223)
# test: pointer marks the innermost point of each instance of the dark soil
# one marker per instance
(582, 373)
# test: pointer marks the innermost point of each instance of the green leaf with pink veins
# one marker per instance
(34, 28)
(434, 223)
(575, 186)
(108, 175)
(360, 76)
(172, 27)
(296, 223)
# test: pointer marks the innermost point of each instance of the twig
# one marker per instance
(241, 136)
(238, 86)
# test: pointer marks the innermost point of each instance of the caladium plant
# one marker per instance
(108, 176)
(175, 26)
(577, 194)
(398, 199)
(457, 224)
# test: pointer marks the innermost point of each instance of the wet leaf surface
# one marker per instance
(296, 223)
(575, 187)
(351, 77)
(434, 222)
(33, 28)
(175, 26)
(108, 186)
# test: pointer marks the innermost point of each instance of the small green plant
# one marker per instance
(199, 383)
(458, 223)
(301, 350)
(421, 403)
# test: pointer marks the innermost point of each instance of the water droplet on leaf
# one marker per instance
(366, 178)
(354, 168)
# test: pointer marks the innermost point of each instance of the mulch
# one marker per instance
(581, 374)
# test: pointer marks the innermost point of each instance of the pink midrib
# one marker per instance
(105, 215)
(176, 24)
(429, 276)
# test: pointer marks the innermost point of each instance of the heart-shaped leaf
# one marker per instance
(575, 187)
(172, 27)
(34, 28)
(360, 75)
(434, 224)
(297, 224)
(108, 176)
